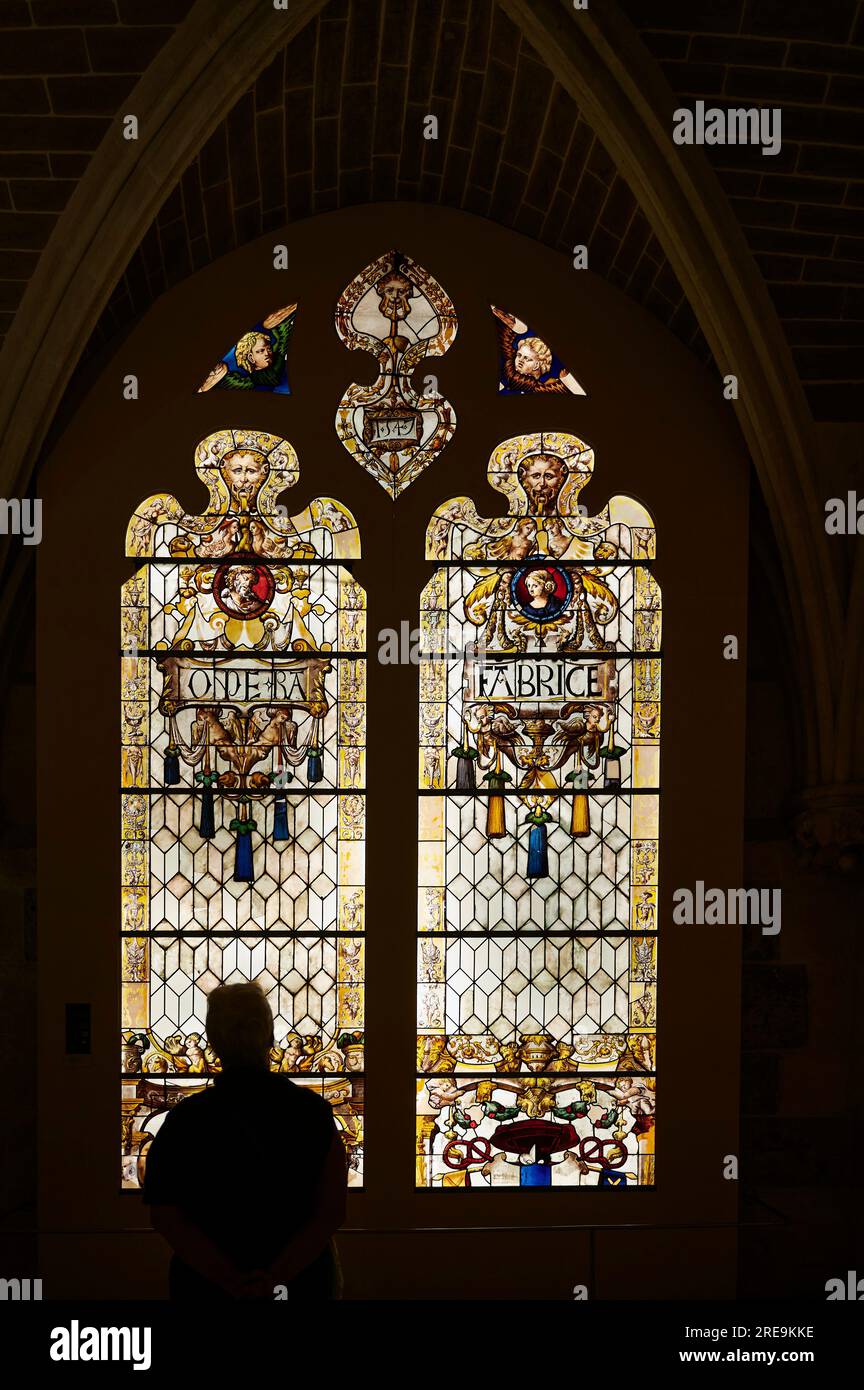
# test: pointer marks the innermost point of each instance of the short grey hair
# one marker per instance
(239, 1024)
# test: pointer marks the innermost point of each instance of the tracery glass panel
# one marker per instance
(396, 310)
(538, 824)
(243, 775)
(527, 365)
(257, 361)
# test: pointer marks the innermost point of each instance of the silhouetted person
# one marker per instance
(247, 1179)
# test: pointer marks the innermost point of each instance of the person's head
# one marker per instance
(540, 584)
(533, 357)
(253, 352)
(241, 580)
(239, 1025)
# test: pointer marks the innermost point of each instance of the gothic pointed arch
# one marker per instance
(597, 57)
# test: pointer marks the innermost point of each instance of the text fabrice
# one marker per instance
(738, 126)
(733, 906)
(77, 1343)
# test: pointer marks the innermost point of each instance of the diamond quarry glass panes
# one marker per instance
(538, 822)
(243, 773)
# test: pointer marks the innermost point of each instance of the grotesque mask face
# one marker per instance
(244, 473)
(542, 476)
(394, 293)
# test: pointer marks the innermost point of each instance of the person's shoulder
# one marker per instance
(304, 1095)
(187, 1111)
(304, 1098)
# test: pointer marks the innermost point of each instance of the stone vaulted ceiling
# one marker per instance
(337, 119)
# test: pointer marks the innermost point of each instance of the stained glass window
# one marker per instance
(243, 773)
(538, 825)
(527, 366)
(257, 361)
(396, 310)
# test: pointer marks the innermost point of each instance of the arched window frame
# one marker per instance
(537, 962)
(243, 784)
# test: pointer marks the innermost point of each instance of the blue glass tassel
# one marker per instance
(243, 866)
(207, 818)
(538, 855)
(243, 825)
(465, 775)
(171, 773)
(207, 810)
(280, 818)
(314, 772)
